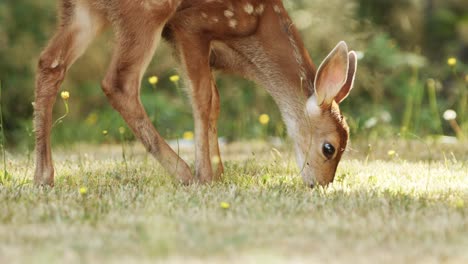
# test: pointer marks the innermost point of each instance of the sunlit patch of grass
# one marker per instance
(102, 210)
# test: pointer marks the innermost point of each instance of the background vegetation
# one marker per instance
(404, 81)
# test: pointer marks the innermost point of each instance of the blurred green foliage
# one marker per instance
(404, 83)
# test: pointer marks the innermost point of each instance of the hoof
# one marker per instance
(44, 177)
(184, 175)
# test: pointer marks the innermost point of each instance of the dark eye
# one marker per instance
(328, 150)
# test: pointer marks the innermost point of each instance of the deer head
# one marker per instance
(323, 137)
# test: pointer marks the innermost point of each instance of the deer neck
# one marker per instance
(284, 68)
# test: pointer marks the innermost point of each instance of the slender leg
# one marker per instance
(215, 154)
(194, 53)
(66, 46)
(122, 87)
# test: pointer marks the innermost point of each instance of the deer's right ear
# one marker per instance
(346, 89)
(332, 75)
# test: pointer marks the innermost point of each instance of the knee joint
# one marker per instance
(50, 63)
(110, 86)
(106, 87)
(113, 86)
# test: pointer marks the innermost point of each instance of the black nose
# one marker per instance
(312, 185)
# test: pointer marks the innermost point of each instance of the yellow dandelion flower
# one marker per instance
(121, 130)
(391, 153)
(174, 78)
(153, 80)
(65, 95)
(105, 132)
(452, 61)
(224, 205)
(83, 190)
(188, 135)
(264, 119)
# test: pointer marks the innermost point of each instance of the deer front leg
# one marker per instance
(65, 47)
(122, 87)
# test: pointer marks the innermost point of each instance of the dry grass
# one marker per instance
(411, 207)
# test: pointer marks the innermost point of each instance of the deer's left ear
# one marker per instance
(335, 76)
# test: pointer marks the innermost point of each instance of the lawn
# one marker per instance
(392, 202)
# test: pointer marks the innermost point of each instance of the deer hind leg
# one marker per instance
(135, 47)
(70, 41)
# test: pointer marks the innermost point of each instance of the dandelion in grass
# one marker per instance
(122, 130)
(65, 96)
(451, 117)
(174, 78)
(83, 190)
(105, 132)
(264, 119)
(391, 153)
(224, 205)
(188, 135)
(452, 61)
(153, 80)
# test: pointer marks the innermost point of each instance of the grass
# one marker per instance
(408, 207)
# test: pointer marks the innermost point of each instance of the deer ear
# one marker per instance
(344, 92)
(332, 75)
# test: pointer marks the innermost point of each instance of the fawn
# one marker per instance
(255, 39)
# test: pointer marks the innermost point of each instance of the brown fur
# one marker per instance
(252, 38)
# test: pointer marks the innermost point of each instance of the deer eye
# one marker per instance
(328, 150)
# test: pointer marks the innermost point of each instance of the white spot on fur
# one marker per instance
(54, 64)
(249, 9)
(259, 10)
(228, 13)
(277, 9)
(215, 19)
(233, 23)
(204, 15)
